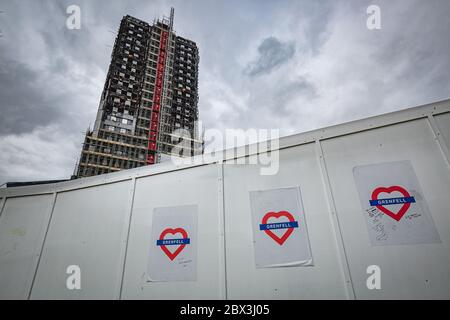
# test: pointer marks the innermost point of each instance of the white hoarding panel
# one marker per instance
(280, 234)
(393, 204)
(407, 271)
(87, 231)
(22, 228)
(298, 166)
(198, 187)
(173, 247)
(369, 195)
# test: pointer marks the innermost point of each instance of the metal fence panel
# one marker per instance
(23, 223)
(194, 186)
(407, 271)
(298, 167)
(87, 229)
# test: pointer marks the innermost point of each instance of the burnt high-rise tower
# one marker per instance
(149, 102)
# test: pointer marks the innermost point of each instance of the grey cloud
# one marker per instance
(316, 31)
(24, 102)
(272, 53)
(288, 93)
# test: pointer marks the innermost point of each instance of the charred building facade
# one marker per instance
(149, 102)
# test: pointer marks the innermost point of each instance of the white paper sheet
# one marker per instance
(173, 244)
(280, 234)
(393, 204)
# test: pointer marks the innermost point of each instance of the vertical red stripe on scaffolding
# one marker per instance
(154, 125)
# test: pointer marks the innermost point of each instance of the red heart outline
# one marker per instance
(288, 232)
(396, 216)
(180, 248)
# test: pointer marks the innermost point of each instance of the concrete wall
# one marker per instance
(103, 224)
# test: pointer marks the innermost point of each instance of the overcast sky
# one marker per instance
(293, 65)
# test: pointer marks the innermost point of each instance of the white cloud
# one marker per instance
(43, 154)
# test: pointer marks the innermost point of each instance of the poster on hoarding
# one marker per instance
(280, 235)
(173, 244)
(393, 204)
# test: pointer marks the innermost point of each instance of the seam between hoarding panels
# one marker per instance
(2, 206)
(52, 209)
(342, 254)
(127, 238)
(439, 138)
(223, 244)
